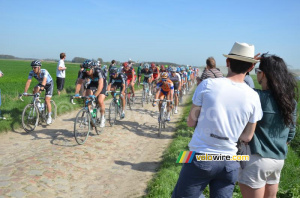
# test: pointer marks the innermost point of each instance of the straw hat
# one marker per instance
(242, 52)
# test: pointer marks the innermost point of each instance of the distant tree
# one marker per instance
(100, 59)
(78, 60)
(7, 56)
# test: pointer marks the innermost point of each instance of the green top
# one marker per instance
(139, 69)
(271, 134)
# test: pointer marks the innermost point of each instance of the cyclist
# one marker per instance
(165, 88)
(139, 73)
(188, 71)
(162, 69)
(96, 87)
(156, 76)
(131, 77)
(118, 80)
(175, 78)
(148, 75)
(183, 78)
(45, 83)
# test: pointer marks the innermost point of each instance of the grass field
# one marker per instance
(13, 83)
(164, 181)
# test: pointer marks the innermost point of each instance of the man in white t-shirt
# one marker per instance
(61, 73)
(224, 110)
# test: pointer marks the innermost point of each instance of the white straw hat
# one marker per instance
(242, 52)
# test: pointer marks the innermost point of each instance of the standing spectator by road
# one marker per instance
(268, 148)
(223, 111)
(113, 64)
(210, 71)
(1, 74)
(249, 81)
(61, 73)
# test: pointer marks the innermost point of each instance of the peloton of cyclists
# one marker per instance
(45, 83)
(96, 87)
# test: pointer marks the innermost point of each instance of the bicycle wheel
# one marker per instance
(82, 126)
(143, 98)
(128, 101)
(97, 121)
(112, 112)
(147, 96)
(30, 117)
(53, 111)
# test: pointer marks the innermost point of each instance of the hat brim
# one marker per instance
(242, 58)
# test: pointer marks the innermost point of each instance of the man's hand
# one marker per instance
(42, 88)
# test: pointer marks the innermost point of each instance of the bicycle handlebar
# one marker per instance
(80, 97)
(21, 96)
(163, 100)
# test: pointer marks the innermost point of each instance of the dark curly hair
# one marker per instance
(281, 83)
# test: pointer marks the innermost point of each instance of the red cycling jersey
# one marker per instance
(155, 72)
(128, 73)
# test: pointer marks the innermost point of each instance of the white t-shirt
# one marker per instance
(61, 73)
(226, 108)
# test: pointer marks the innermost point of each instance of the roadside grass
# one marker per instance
(165, 179)
(13, 83)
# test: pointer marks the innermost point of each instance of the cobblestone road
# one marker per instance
(117, 163)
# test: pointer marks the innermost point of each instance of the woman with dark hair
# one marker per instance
(268, 148)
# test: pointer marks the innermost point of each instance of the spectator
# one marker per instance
(225, 109)
(60, 73)
(268, 147)
(210, 71)
(249, 81)
(113, 64)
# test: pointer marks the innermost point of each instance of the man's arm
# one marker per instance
(248, 132)
(100, 87)
(27, 85)
(78, 86)
(193, 116)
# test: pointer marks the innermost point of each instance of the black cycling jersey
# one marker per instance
(97, 74)
(118, 81)
(147, 74)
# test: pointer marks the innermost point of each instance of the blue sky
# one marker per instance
(180, 31)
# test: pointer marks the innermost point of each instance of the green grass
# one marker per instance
(13, 83)
(165, 180)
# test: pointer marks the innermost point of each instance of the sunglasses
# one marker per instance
(35, 67)
(164, 80)
(257, 70)
(88, 69)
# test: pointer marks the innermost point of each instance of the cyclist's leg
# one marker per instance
(123, 99)
(48, 95)
(132, 87)
(101, 99)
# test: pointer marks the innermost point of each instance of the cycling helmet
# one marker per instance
(87, 64)
(113, 70)
(146, 66)
(182, 68)
(125, 64)
(164, 75)
(36, 63)
(173, 69)
(152, 65)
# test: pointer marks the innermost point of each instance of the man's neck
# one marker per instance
(239, 78)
